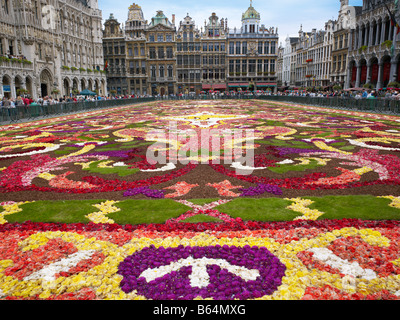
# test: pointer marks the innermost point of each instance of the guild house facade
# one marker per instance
(163, 57)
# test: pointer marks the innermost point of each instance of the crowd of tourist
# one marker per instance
(355, 94)
(27, 100)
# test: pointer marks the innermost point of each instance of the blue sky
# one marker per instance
(286, 15)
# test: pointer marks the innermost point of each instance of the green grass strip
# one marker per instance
(268, 209)
(365, 207)
(145, 211)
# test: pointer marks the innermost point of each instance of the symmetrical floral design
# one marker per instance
(329, 259)
(298, 153)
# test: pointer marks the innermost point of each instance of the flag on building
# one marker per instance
(393, 19)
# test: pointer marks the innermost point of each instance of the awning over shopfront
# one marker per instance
(206, 86)
(266, 85)
(219, 86)
(238, 85)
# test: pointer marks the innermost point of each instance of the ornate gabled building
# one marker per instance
(185, 59)
(125, 54)
(346, 21)
(188, 57)
(160, 36)
(50, 47)
(115, 56)
(213, 44)
(136, 60)
(289, 62)
(252, 54)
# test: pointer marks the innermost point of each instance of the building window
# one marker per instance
(160, 37)
(170, 71)
(143, 67)
(153, 71)
(237, 66)
(161, 71)
(169, 37)
(237, 47)
(272, 66)
(259, 66)
(151, 38)
(170, 53)
(152, 52)
(231, 48)
(6, 8)
(137, 67)
(161, 53)
(244, 47)
(231, 66)
(244, 66)
(266, 62)
(334, 63)
(266, 47)
(252, 66)
(273, 47)
(260, 48)
(131, 68)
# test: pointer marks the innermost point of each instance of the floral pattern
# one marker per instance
(298, 153)
(328, 259)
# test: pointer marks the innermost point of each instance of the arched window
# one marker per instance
(162, 73)
(170, 71)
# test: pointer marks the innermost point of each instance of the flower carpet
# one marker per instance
(86, 214)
